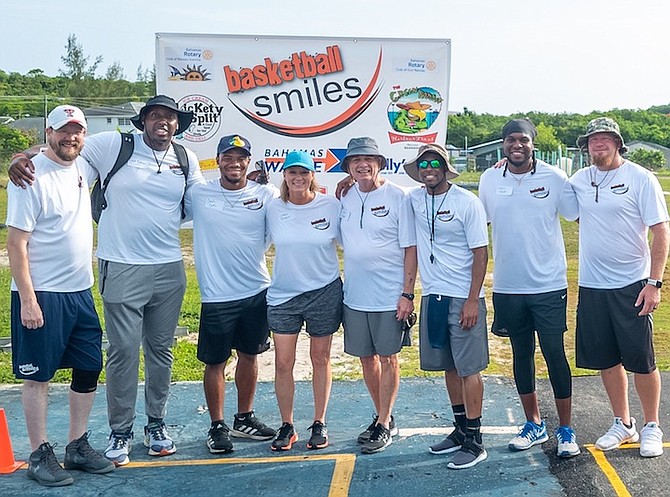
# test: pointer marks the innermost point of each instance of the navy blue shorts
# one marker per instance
(241, 325)
(70, 338)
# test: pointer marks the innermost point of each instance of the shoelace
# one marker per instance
(563, 436)
(119, 441)
(157, 432)
(49, 458)
(284, 431)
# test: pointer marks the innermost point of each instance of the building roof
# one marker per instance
(129, 109)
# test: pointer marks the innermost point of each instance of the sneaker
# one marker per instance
(319, 438)
(157, 440)
(249, 426)
(80, 455)
(651, 440)
(286, 437)
(119, 447)
(45, 469)
(566, 442)
(218, 439)
(530, 434)
(365, 435)
(617, 435)
(378, 441)
(470, 454)
(452, 443)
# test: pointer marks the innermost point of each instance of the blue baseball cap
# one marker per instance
(233, 141)
(299, 158)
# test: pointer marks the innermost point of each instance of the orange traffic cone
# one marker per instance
(7, 462)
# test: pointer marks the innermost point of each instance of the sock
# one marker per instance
(155, 420)
(474, 427)
(242, 415)
(217, 423)
(459, 416)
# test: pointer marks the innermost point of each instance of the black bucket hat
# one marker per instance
(184, 118)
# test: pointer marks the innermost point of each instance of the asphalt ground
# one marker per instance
(405, 468)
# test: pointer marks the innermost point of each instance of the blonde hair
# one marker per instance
(283, 188)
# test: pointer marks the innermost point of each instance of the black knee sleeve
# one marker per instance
(84, 381)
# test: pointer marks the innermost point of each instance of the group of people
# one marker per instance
(386, 233)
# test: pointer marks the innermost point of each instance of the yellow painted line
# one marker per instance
(608, 469)
(339, 483)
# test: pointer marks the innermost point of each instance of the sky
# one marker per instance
(508, 56)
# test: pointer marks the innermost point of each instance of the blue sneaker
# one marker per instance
(529, 435)
(566, 442)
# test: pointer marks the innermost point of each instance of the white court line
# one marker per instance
(445, 430)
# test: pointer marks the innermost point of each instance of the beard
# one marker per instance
(603, 160)
(63, 152)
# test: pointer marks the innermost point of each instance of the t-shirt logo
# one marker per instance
(619, 189)
(444, 216)
(380, 211)
(321, 224)
(253, 204)
(540, 192)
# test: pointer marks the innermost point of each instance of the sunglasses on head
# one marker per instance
(425, 164)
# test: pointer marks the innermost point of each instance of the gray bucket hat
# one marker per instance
(601, 125)
(360, 146)
(412, 168)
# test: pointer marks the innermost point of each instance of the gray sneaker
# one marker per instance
(44, 468)
(157, 440)
(80, 455)
(470, 454)
(452, 443)
(118, 450)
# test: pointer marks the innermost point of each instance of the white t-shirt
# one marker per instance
(229, 239)
(56, 212)
(305, 238)
(460, 226)
(528, 248)
(376, 227)
(141, 222)
(613, 243)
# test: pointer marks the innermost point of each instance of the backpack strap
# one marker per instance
(182, 158)
(126, 151)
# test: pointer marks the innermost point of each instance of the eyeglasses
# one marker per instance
(425, 164)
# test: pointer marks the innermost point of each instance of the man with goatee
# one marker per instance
(620, 279)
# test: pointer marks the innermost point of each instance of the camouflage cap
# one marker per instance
(601, 125)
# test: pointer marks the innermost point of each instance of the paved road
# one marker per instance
(403, 469)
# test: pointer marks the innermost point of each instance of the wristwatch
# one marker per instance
(408, 296)
(656, 283)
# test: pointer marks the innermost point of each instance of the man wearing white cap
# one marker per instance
(53, 319)
(452, 240)
(620, 279)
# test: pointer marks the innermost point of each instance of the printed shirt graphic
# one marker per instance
(305, 239)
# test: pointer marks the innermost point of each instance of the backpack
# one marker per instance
(98, 200)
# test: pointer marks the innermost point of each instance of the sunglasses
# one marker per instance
(425, 164)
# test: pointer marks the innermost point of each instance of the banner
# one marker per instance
(307, 93)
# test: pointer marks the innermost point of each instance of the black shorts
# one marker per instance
(70, 338)
(241, 325)
(609, 331)
(516, 314)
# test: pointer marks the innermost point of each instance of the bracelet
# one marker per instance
(18, 154)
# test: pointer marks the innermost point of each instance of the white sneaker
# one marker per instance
(617, 435)
(651, 440)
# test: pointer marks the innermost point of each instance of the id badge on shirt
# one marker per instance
(505, 190)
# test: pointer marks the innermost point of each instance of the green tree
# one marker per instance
(546, 140)
(11, 141)
(651, 159)
(76, 62)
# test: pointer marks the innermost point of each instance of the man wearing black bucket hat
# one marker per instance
(523, 200)
(452, 240)
(141, 272)
(620, 279)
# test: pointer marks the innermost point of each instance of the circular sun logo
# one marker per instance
(207, 54)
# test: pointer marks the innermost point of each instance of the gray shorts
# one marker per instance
(320, 310)
(370, 333)
(467, 351)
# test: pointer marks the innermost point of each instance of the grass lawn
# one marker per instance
(187, 367)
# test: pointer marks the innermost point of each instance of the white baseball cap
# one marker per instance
(64, 114)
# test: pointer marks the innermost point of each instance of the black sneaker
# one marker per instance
(452, 443)
(365, 435)
(286, 437)
(378, 441)
(218, 439)
(319, 438)
(249, 426)
(471, 453)
(45, 469)
(80, 455)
